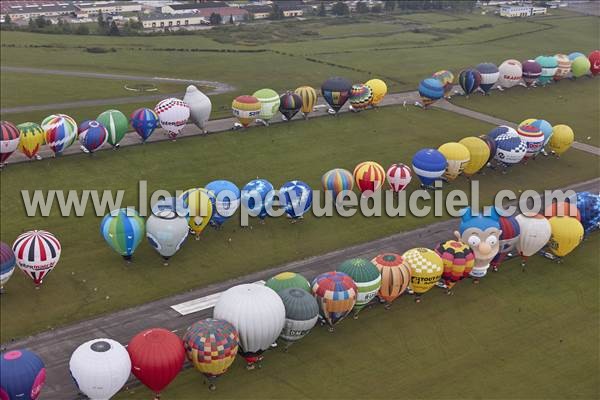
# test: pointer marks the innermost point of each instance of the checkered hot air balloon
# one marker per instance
(395, 276)
(257, 197)
(336, 294)
(510, 149)
(588, 205)
(60, 132)
(37, 253)
(398, 176)
(123, 230)
(426, 268)
(92, 135)
(173, 114)
(144, 121)
(508, 240)
(458, 260)
(369, 177)
(9, 140)
(361, 96)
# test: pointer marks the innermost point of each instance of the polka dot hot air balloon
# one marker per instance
(92, 135)
(447, 80)
(549, 66)
(508, 240)
(430, 90)
(116, 124)
(395, 276)
(369, 177)
(144, 121)
(479, 154)
(7, 264)
(336, 294)
(173, 115)
(489, 76)
(379, 89)
(458, 260)
(32, 138)
(269, 103)
(37, 253)
(426, 269)
(398, 176)
(457, 157)
(360, 97)
(246, 109)
(309, 99)
(429, 165)
(295, 198)
(22, 375)
(511, 72)
(285, 280)
(533, 138)
(532, 71)
(9, 140)
(337, 180)
(123, 230)
(562, 139)
(469, 80)
(594, 58)
(290, 104)
(367, 278)
(563, 67)
(60, 132)
(510, 149)
(336, 91)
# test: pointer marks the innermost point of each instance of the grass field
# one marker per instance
(527, 335)
(89, 271)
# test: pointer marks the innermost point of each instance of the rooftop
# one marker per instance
(198, 6)
(160, 16)
(47, 8)
(84, 6)
(258, 9)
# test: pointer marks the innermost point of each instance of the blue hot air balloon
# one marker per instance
(226, 198)
(469, 80)
(296, 198)
(501, 130)
(489, 76)
(257, 197)
(429, 165)
(575, 55)
(22, 375)
(430, 90)
(92, 135)
(510, 149)
(588, 205)
(546, 129)
(123, 231)
(144, 121)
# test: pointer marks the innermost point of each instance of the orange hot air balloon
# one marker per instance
(565, 209)
(369, 177)
(395, 276)
(246, 109)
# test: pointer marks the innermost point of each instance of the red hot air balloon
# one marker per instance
(594, 58)
(157, 356)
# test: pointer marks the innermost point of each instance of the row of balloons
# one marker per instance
(249, 318)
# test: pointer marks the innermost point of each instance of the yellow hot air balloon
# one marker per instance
(32, 138)
(426, 268)
(458, 157)
(309, 99)
(567, 233)
(479, 152)
(528, 121)
(246, 109)
(197, 200)
(562, 138)
(379, 89)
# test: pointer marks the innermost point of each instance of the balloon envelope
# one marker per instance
(116, 125)
(9, 140)
(429, 165)
(367, 278)
(199, 104)
(290, 104)
(594, 58)
(60, 132)
(532, 70)
(123, 230)
(426, 268)
(144, 121)
(173, 115)
(430, 90)
(510, 148)
(395, 275)
(257, 196)
(369, 176)
(567, 233)
(227, 200)
(562, 138)
(166, 230)
(588, 205)
(301, 313)
(398, 176)
(337, 180)
(295, 198)
(7, 263)
(31, 138)
(246, 109)
(269, 103)
(469, 80)
(511, 72)
(447, 80)
(479, 154)
(535, 233)
(92, 135)
(508, 239)
(549, 66)
(458, 260)
(457, 157)
(360, 96)
(309, 98)
(563, 66)
(379, 89)
(489, 76)
(37, 253)
(336, 91)
(580, 66)
(22, 375)
(336, 295)
(533, 138)
(199, 202)
(287, 280)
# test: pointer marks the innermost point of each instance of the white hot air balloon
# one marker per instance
(173, 114)
(511, 73)
(100, 368)
(257, 313)
(200, 106)
(166, 230)
(535, 233)
(37, 253)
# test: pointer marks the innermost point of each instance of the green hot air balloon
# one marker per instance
(286, 280)
(580, 66)
(123, 230)
(367, 278)
(301, 314)
(269, 103)
(116, 124)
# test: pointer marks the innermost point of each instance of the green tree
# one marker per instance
(114, 29)
(389, 6)
(362, 8)
(7, 19)
(231, 21)
(277, 12)
(215, 19)
(322, 12)
(41, 22)
(376, 8)
(340, 9)
(82, 30)
(31, 24)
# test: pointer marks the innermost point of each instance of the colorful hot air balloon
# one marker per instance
(227, 200)
(457, 157)
(542, 125)
(479, 154)
(447, 80)
(588, 205)
(336, 295)
(246, 109)
(458, 259)
(489, 76)
(379, 89)
(594, 58)
(508, 240)
(430, 90)
(92, 135)
(60, 132)
(37, 253)
(563, 67)
(123, 230)
(369, 177)
(501, 129)
(395, 276)
(167, 227)
(157, 357)
(257, 313)
(337, 180)
(575, 54)
(116, 124)
(535, 233)
(200, 106)
(567, 233)
(562, 138)
(336, 91)
(7, 264)
(269, 103)
(301, 314)
(426, 269)
(173, 115)
(296, 198)
(469, 80)
(290, 104)
(9, 140)
(309, 99)
(22, 375)
(580, 66)
(100, 368)
(32, 138)
(257, 197)
(549, 66)
(510, 148)
(361, 96)
(532, 70)
(198, 202)
(144, 121)
(285, 280)
(533, 138)
(429, 165)
(367, 278)
(398, 176)
(211, 346)
(510, 72)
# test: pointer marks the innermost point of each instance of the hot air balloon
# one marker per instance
(257, 197)
(200, 106)
(296, 198)
(429, 165)
(469, 80)
(489, 76)
(500, 130)
(458, 260)
(510, 72)
(246, 109)
(336, 295)
(167, 227)
(549, 66)
(457, 157)
(144, 121)
(395, 276)
(508, 240)
(285, 280)
(157, 356)
(60, 132)
(580, 66)
(491, 143)
(22, 375)
(123, 230)
(479, 154)
(32, 138)
(337, 180)
(309, 99)
(116, 124)
(336, 91)
(542, 125)
(588, 205)
(9, 140)
(198, 202)
(361, 96)
(7, 264)
(100, 368)
(257, 313)
(533, 138)
(563, 67)
(269, 104)
(173, 115)
(301, 314)
(510, 149)
(447, 80)
(562, 209)
(290, 104)
(369, 177)
(37, 253)
(532, 70)
(567, 233)
(575, 54)
(227, 200)
(379, 89)
(562, 138)
(398, 176)
(594, 58)
(367, 278)
(92, 135)
(426, 269)
(430, 90)
(535, 233)
(211, 346)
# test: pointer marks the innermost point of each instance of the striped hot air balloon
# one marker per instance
(360, 96)
(92, 135)
(116, 124)
(458, 259)
(429, 165)
(309, 99)
(246, 109)
(336, 294)
(144, 121)
(60, 132)
(367, 278)
(469, 80)
(489, 76)
(123, 230)
(395, 276)
(369, 177)
(563, 67)
(337, 180)
(533, 138)
(549, 66)
(9, 140)
(430, 90)
(336, 91)
(7, 264)
(32, 138)
(508, 240)
(37, 253)
(399, 176)
(532, 71)
(269, 103)
(290, 104)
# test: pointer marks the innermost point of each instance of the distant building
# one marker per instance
(191, 7)
(227, 14)
(258, 12)
(158, 21)
(26, 11)
(521, 11)
(109, 7)
(291, 10)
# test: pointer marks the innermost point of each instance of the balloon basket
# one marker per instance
(196, 237)
(475, 281)
(250, 367)
(331, 329)
(212, 387)
(417, 299)
(387, 306)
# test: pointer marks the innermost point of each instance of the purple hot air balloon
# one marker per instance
(22, 375)
(92, 135)
(532, 70)
(144, 121)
